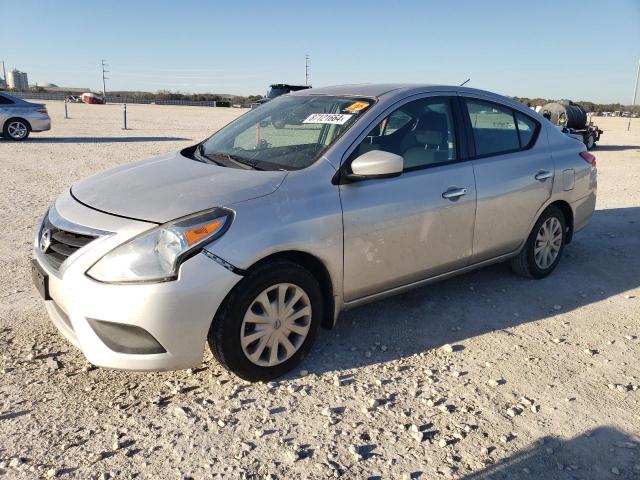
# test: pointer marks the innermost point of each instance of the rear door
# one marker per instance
(514, 174)
(403, 229)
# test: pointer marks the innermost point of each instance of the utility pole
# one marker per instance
(104, 84)
(306, 69)
(635, 92)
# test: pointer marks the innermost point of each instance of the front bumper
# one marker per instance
(176, 313)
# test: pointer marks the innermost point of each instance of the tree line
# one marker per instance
(588, 106)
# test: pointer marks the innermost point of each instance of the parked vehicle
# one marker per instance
(278, 89)
(18, 118)
(92, 98)
(572, 118)
(74, 99)
(311, 204)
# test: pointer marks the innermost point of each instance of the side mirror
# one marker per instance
(376, 164)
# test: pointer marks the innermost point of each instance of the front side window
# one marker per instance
(287, 133)
(422, 132)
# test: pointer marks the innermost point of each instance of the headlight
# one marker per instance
(156, 255)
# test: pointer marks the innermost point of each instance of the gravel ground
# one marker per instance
(486, 375)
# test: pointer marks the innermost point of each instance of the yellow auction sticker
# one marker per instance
(356, 107)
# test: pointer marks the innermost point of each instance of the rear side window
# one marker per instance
(494, 128)
(499, 129)
(5, 101)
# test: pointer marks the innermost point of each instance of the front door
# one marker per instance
(419, 224)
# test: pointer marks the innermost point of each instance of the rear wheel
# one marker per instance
(590, 141)
(16, 129)
(543, 250)
(267, 324)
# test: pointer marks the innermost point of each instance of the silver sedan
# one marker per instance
(18, 118)
(316, 202)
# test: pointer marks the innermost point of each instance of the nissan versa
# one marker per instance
(317, 201)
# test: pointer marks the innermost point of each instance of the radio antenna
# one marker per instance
(465, 82)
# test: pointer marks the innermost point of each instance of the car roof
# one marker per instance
(381, 89)
(399, 90)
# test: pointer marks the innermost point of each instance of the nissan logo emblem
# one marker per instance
(45, 240)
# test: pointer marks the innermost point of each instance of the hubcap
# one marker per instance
(548, 243)
(276, 324)
(17, 130)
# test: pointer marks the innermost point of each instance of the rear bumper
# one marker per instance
(40, 124)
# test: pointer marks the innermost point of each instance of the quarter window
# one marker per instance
(526, 129)
(422, 132)
(5, 100)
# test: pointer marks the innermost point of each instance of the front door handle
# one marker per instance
(542, 175)
(454, 193)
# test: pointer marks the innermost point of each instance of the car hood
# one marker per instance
(164, 188)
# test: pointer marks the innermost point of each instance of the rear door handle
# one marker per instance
(454, 193)
(543, 175)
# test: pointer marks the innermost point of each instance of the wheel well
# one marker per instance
(17, 118)
(565, 208)
(318, 270)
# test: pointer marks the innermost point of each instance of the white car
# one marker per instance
(315, 202)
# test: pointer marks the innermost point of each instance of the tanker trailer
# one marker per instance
(572, 119)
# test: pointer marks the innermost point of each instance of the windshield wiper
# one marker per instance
(229, 159)
(203, 157)
(245, 161)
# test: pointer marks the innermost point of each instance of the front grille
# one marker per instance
(57, 244)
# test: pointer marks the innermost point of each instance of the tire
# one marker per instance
(525, 263)
(16, 129)
(233, 321)
(590, 141)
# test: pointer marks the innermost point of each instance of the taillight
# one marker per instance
(42, 110)
(590, 158)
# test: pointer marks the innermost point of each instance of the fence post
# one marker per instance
(125, 116)
(65, 109)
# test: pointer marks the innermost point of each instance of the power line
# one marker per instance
(104, 83)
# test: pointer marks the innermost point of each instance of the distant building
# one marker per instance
(3, 84)
(18, 80)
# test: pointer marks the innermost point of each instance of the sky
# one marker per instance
(582, 50)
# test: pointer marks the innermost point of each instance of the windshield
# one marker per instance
(288, 133)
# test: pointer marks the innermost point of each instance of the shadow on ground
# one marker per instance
(615, 148)
(597, 454)
(104, 139)
(602, 261)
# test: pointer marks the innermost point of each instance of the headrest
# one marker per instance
(432, 128)
(429, 137)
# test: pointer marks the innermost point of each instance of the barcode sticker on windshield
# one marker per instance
(331, 118)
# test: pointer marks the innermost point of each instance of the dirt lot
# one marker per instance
(536, 379)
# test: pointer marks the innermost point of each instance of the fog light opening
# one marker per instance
(123, 338)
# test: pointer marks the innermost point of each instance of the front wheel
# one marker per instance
(16, 129)
(267, 324)
(543, 250)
